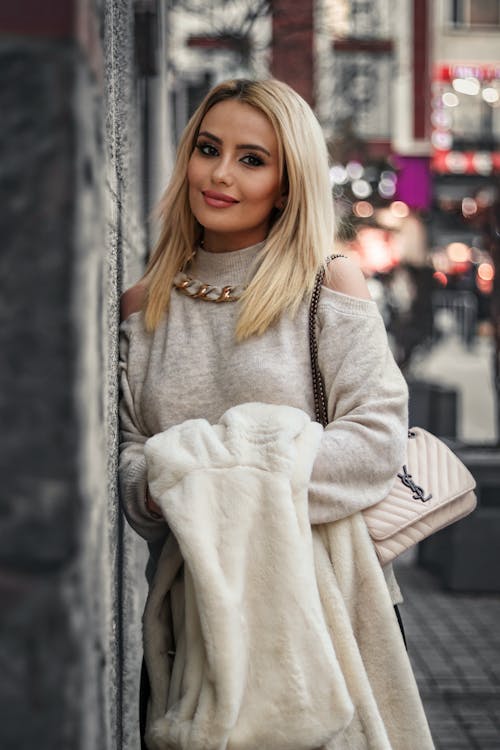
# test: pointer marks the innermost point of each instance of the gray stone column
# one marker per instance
(73, 231)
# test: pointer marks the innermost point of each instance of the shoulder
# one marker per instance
(344, 275)
(132, 300)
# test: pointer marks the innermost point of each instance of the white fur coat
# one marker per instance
(289, 639)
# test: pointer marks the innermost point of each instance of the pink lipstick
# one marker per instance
(218, 200)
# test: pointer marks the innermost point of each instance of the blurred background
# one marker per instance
(94, 96)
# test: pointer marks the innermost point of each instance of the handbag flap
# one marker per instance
(432, 478)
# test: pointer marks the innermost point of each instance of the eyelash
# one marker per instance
(208, 146)
(209, 150)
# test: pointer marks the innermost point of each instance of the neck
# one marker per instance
(213, 243)
(230, 267)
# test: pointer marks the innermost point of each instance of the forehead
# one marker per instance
(235, 120)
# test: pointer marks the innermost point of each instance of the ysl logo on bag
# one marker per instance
(418, 492)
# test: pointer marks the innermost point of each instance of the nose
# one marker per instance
(222, 171)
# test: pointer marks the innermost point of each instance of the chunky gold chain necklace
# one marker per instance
(206, 292)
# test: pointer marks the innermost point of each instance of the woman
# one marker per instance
(220, 317)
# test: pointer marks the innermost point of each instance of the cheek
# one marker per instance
(267, 194)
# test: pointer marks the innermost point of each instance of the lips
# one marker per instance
(218, 200)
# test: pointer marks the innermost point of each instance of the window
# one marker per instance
(466, 119)
(475, 13)
(362, 82)
(358, 19)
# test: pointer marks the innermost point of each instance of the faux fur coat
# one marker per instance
(287, 636)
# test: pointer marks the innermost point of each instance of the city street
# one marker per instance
(469, 371)
(454, 646)
(237, 142)
(454, 638)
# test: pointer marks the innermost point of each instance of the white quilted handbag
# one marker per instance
(432, 490)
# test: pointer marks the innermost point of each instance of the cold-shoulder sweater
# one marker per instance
(192, 367)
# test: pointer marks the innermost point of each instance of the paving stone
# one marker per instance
(454, 645)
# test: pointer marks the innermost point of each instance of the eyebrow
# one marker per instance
(251, 146)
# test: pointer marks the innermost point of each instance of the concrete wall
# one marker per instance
(72, 184)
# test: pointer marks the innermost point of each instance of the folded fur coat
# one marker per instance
(287, 638)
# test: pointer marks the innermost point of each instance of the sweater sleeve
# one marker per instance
(364, 444)
(132, 463)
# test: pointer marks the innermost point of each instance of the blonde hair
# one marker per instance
(300, 237)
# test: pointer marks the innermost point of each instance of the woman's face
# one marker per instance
(233, 176)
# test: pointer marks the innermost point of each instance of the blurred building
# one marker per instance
(213, 41)
(465, 137)
(409, 95)
(209, 42)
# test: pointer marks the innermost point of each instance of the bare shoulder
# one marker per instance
(344, 275)
(132, 300)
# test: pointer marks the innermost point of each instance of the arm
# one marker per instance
(141, 511)
(364, 444)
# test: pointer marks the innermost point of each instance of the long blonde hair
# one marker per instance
(300, 237)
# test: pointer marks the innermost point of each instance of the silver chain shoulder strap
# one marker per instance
(318, 384)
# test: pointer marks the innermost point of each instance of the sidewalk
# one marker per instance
(470, 371)
(454, 646)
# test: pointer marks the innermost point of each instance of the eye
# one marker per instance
(252, 161)
(207, 149)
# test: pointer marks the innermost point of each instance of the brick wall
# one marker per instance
(293, 45)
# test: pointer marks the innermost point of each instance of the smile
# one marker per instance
(218, 200)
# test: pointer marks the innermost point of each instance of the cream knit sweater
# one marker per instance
(191, 367)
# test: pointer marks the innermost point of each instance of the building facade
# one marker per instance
(465, 115)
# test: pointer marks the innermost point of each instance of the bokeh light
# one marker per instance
(490, 95)
(400, 209)
(458, 252)
(450, 99)
(469, 206)
(486, 272)
(361, 188)
(362, 209)
(469, 86)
